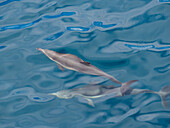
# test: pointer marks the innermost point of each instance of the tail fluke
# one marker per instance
(163, 93)
(125, 86)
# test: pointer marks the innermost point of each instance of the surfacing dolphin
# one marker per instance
(73, 62)
(90, 92)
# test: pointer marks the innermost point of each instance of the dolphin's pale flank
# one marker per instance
(90, 92)
(73, 62)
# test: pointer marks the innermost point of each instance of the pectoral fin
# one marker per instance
(60, 67)
(90, 102)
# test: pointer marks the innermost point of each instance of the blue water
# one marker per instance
(129, 39)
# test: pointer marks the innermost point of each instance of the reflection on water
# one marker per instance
(123, 46)
(126, 39)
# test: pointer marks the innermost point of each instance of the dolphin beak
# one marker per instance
(52, 94)
(40, 49)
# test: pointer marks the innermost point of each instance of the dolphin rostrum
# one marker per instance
(73, 62)
(90, 92)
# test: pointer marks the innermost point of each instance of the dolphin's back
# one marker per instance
(66, 60)
(93, 90)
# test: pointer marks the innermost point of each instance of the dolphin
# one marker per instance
(73, 62)
(90, 92)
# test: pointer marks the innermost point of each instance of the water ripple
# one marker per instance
(7, 2)
(151, 116)
(60, 15)
(77, 28)
(124, 46)
(126, 39)
(30, 93)
(162, 69)
(20, 26)
(100, 24)
(117, 119)
(1, 47)
(54, 36)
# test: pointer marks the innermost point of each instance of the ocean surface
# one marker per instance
(128, 39)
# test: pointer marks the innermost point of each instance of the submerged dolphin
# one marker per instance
(90, 92)
(73, 62)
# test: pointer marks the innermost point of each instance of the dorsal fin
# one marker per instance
(126, 86)
(85, 63)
